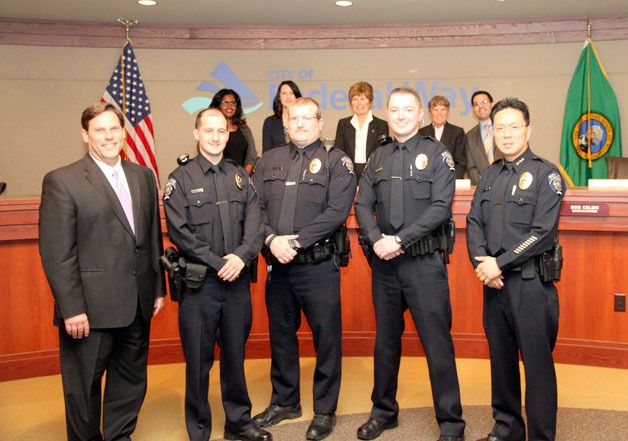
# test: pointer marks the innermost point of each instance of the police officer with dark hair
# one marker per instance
(511, 233)
(213, 218)
(409, 185)
(303, 262)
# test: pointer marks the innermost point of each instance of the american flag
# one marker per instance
(126, 91)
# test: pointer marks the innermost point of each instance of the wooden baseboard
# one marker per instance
(571, 351)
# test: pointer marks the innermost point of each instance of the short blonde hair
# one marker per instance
(306, 101)
(405, 91)
(361, 88)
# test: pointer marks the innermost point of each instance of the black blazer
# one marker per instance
(93, 261)
(345, 136)
(455, 141)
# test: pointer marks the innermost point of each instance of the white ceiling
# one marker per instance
(311, 12)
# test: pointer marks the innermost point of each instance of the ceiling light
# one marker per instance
(147, 2)
(344, 3)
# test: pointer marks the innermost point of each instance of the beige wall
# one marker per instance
(44, 89)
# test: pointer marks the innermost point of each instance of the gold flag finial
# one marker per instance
(589, 28)
(127, 23)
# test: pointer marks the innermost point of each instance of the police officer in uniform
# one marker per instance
(213, 218)
(409, 185)
(511, 229)
(303, 268)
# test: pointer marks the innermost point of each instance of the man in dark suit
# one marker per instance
(480, 150)
(359, 135)
(448, 134)
(100, 242)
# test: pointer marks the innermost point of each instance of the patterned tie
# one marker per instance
(396, 188)
(124, 197)
(289, 201)
(223, 209)
(488, 144)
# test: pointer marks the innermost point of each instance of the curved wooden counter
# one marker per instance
(595, 250)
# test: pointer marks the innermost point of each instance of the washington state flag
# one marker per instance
(591, 128)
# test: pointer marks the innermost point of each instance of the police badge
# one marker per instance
(315, 165)
(239, 182)
(421, 161)
(525, 180)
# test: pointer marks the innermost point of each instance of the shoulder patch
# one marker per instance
(347, 163)
(555, 182)
(449, 160)
(171, 186)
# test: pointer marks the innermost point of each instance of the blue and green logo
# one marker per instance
(229, 80)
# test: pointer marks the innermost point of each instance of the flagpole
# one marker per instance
(589, 92)
(127, 23)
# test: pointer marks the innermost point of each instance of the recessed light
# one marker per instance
(344, 3)
(147, 2)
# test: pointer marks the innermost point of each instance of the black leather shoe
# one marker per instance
(373, 428)
(274, 414)
(252, 434)
(320, 427)
(490, 438)
(450, 438)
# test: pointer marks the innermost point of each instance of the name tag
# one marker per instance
(289, 183)
(196, 190)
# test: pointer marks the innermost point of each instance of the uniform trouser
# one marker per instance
(420, 284)
(119, 353)
(221, 310)
(522, 318)
(315, 290)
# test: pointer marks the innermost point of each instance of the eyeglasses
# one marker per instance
(480, 103)
(513, 129)
(294, 119)
(228, 103)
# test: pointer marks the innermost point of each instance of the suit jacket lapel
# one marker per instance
(351, 140)
(99, 181)
(446, 135)
(370, 138)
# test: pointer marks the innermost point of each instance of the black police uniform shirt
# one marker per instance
(531, 207)
(323, 202)
(428, 190)
(193, 216)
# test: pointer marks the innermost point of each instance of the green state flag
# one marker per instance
(591, 128)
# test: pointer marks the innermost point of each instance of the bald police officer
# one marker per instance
(213, 218)
(511, 229)
(303, 268)
(409, 185)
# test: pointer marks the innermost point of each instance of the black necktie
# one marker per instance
(497, 210)
(396, 188)
(289, 201)
(223, 208)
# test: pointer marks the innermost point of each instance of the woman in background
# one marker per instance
(241, 145)
(358, 135)
(274, 132)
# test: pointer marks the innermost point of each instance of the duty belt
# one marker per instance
(318, 252)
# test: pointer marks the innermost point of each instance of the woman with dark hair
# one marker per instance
(274, 133)
(241, 145)
(359, 135)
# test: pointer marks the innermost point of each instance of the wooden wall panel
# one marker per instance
(595, 250)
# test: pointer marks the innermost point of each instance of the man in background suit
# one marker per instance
(480, 150)
(448, 134)
(359, 135)
(100, 242)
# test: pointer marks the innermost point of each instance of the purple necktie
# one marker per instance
(124, 198)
